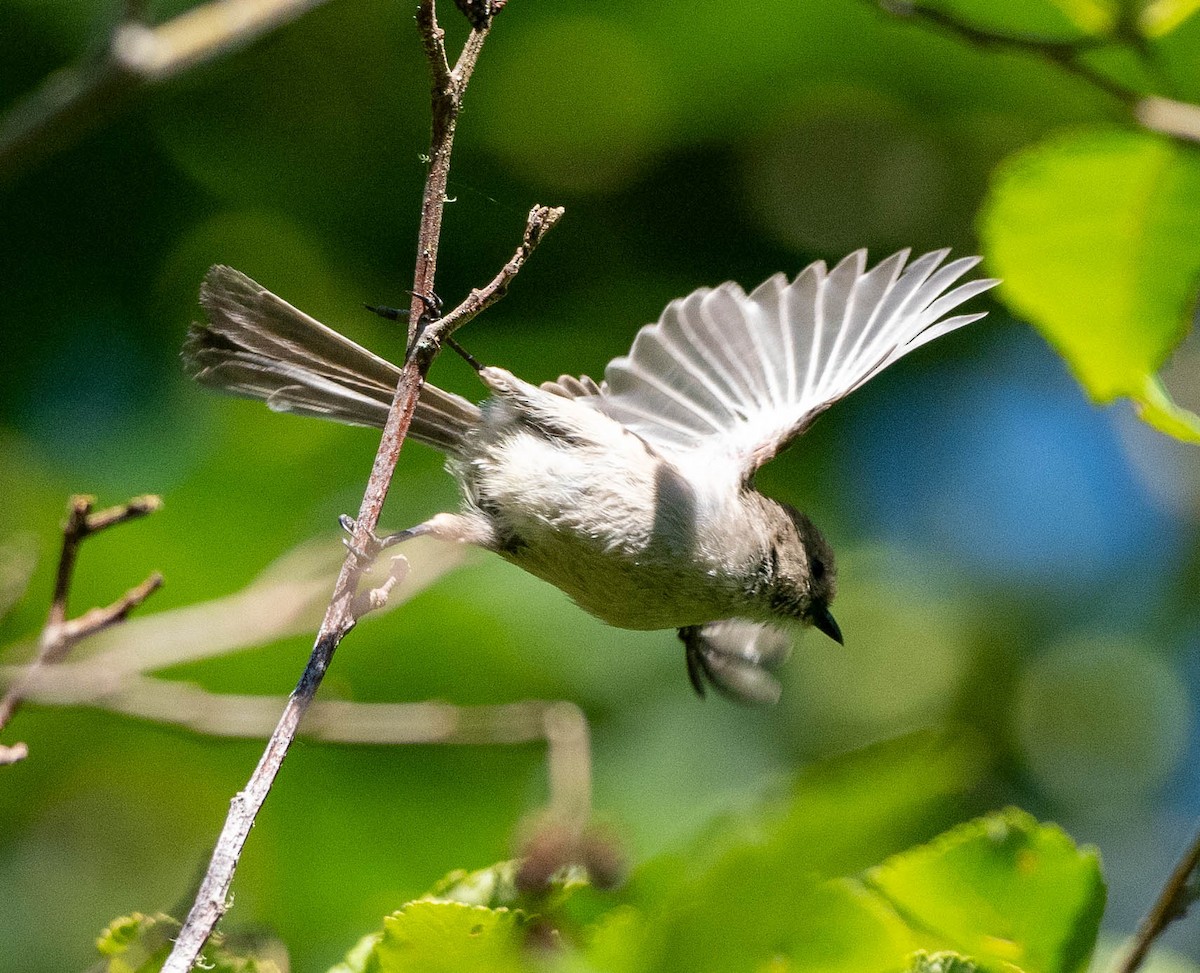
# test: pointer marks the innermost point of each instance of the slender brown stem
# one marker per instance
(425, 337)
(540, 221)
(1172, 904)
(99, 619)
(60, 634)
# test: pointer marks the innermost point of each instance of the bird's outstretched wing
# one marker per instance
(736, 376)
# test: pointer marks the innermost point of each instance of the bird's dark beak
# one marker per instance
(825, 622)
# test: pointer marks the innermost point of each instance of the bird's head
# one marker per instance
(802, 577)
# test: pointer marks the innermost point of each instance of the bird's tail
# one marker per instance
(257, 345)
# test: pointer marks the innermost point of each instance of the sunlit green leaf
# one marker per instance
(1160, 17)
(1003, 889)
(998, 893)
(493, 887)
(1095, 235)
(1093, 16)
(448, 937)
(360, 954)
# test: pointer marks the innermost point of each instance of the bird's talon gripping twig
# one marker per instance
(368, 550)
(433, 304)
(432, 310)
(374, 544)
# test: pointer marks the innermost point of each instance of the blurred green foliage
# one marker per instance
(691, 142)
(767, 891)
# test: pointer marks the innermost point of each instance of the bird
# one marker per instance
(634, 495)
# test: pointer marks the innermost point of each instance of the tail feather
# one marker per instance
(257, 345)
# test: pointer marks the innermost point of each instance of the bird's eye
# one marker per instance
(818, 568)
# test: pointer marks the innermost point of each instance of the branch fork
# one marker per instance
(60, 633)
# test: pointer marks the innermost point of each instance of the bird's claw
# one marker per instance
(431, 308)
(433, 304)
(373, 543)
(369, 549)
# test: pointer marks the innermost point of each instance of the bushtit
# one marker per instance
(636, 495)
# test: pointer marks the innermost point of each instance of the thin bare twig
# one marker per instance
(1168, 116)
(1172, 903)
(1180, 119)
(113, 675)
(288, 598)
(425, 339)
(540, 221)
(76, 99)
(61, 633)
(561, 725)
(1065, 54)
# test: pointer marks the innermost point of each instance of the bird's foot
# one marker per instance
(373, 545)
(431, 310)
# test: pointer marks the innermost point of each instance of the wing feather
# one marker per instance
(736, 375)
(770, 334)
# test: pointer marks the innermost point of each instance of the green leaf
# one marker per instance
(471, 921)
(1001, 893)
(1092, 16)
(1003, 889)
(784, 890)
(923, 962)
(748, 913)
(359, 956)
(1095, 236)
(493, 887)
(449, 937)
(768, 889)
(1160, 17)
(136, 943)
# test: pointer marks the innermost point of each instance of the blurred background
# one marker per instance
(1017, 566)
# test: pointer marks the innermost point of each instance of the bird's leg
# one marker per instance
(452, 528)
(387, 313)
(375, 544)
(431, 312)
(462, 352)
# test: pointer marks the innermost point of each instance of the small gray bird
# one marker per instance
(636, 495)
